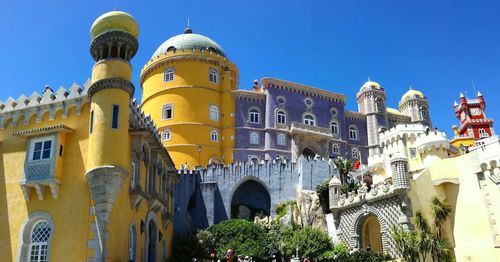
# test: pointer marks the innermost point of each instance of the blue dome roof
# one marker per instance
(188, 40)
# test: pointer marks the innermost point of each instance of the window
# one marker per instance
(379, 105)
(169, 74)
(91, 128)
(213, 112)
(214, 136)
(114, 117)
(281, 139)
(355, 153)
(253, 116)
(213, 75)
(423, 112)
(482, 133)
(353, 133)
(132, 240)
(309, 120)
(135, 172)
(41, 149)
(280, 117)
(39, 242)
(166, 135)
(254, 138)
(167, 112)
(335, 149)
(309, 102)
(335, 128)
(333, 111)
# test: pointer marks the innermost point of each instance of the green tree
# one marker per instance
(426, 240)
(312, 243)
(344, 167)
(244, 237)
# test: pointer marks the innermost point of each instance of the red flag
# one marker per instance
(356, 165)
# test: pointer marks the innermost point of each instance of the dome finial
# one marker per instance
(188, 29)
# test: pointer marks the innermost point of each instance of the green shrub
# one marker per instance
(312, 243)
(244, 237)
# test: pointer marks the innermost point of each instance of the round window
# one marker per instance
(333, 111)
(308, 101)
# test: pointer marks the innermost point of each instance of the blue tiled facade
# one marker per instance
(295, 101)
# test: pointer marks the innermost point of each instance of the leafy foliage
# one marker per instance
(280, 209)
(427, 239)
(244, 237)
(361, 256)
(322, 190)
(344, 167)
(312, 242)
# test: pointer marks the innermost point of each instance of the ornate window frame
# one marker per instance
(309, 121)
(355, 153)
(281, 139)
(132, 242)
(213, 112)
(254, 115)
(164, 111)
(254, 138)
(335, 125)
(168, 74)
(335, 149)
(25, 234)
(214, 136)
(213, 75)
(353, 132)
(281, 114)
(166, 135)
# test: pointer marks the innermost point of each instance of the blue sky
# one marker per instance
(438, 47)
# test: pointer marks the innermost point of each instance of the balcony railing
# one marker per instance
(299, 128)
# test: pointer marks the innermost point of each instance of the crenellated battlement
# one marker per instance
(412, 131)
(201, 55)
(38, 105)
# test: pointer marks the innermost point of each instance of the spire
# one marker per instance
(455, 104)
(479, 94)
(461, 95)
(188, 29)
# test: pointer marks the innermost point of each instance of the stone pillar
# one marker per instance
(208, 193)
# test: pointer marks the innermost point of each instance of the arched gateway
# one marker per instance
(250, 199)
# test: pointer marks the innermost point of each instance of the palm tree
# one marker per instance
(427, 240)
(344, 167)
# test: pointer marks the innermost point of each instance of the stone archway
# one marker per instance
(250, 199)
(308, 152)
(370, 234)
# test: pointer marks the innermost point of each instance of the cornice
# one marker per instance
(268, 82)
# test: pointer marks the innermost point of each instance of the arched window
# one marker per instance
(379, 105)
(213, 112)
(166, 135)
(353, 133)
(39, 241)
(253, 116)
(169, 74)
(335, 128)
(355, 153)
(281, 139)
(213, 75)
(135, 168)
(132, 243)
(254, 138)
(423, 112)
(280, 117)
(335, 149)
(309, 120)
(483, 133)
(167, 112)
(214, 136)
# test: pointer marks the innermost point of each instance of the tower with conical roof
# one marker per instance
(186, 88)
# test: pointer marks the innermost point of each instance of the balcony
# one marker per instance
(308, 130)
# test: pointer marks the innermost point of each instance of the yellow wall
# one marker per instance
(69, 212)
(191, 94)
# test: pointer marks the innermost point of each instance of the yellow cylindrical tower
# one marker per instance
(187, 88)
(114, 43)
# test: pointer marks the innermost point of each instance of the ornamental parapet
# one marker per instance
(268, 82)
(38, 105)
(299, 128)
(116, 83)
(362, 195)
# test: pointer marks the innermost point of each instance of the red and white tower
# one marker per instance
(472, 116)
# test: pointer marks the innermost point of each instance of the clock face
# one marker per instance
(475, 111)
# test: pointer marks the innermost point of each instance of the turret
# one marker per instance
(463, 100)
(372, 103)
(481, 100)
(399, 168)
(334, 192)
(415, 105)
(113, 44)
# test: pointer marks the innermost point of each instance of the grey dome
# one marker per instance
(188, 40)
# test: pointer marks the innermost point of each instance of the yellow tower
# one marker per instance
(186, 89)
(114, 43)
